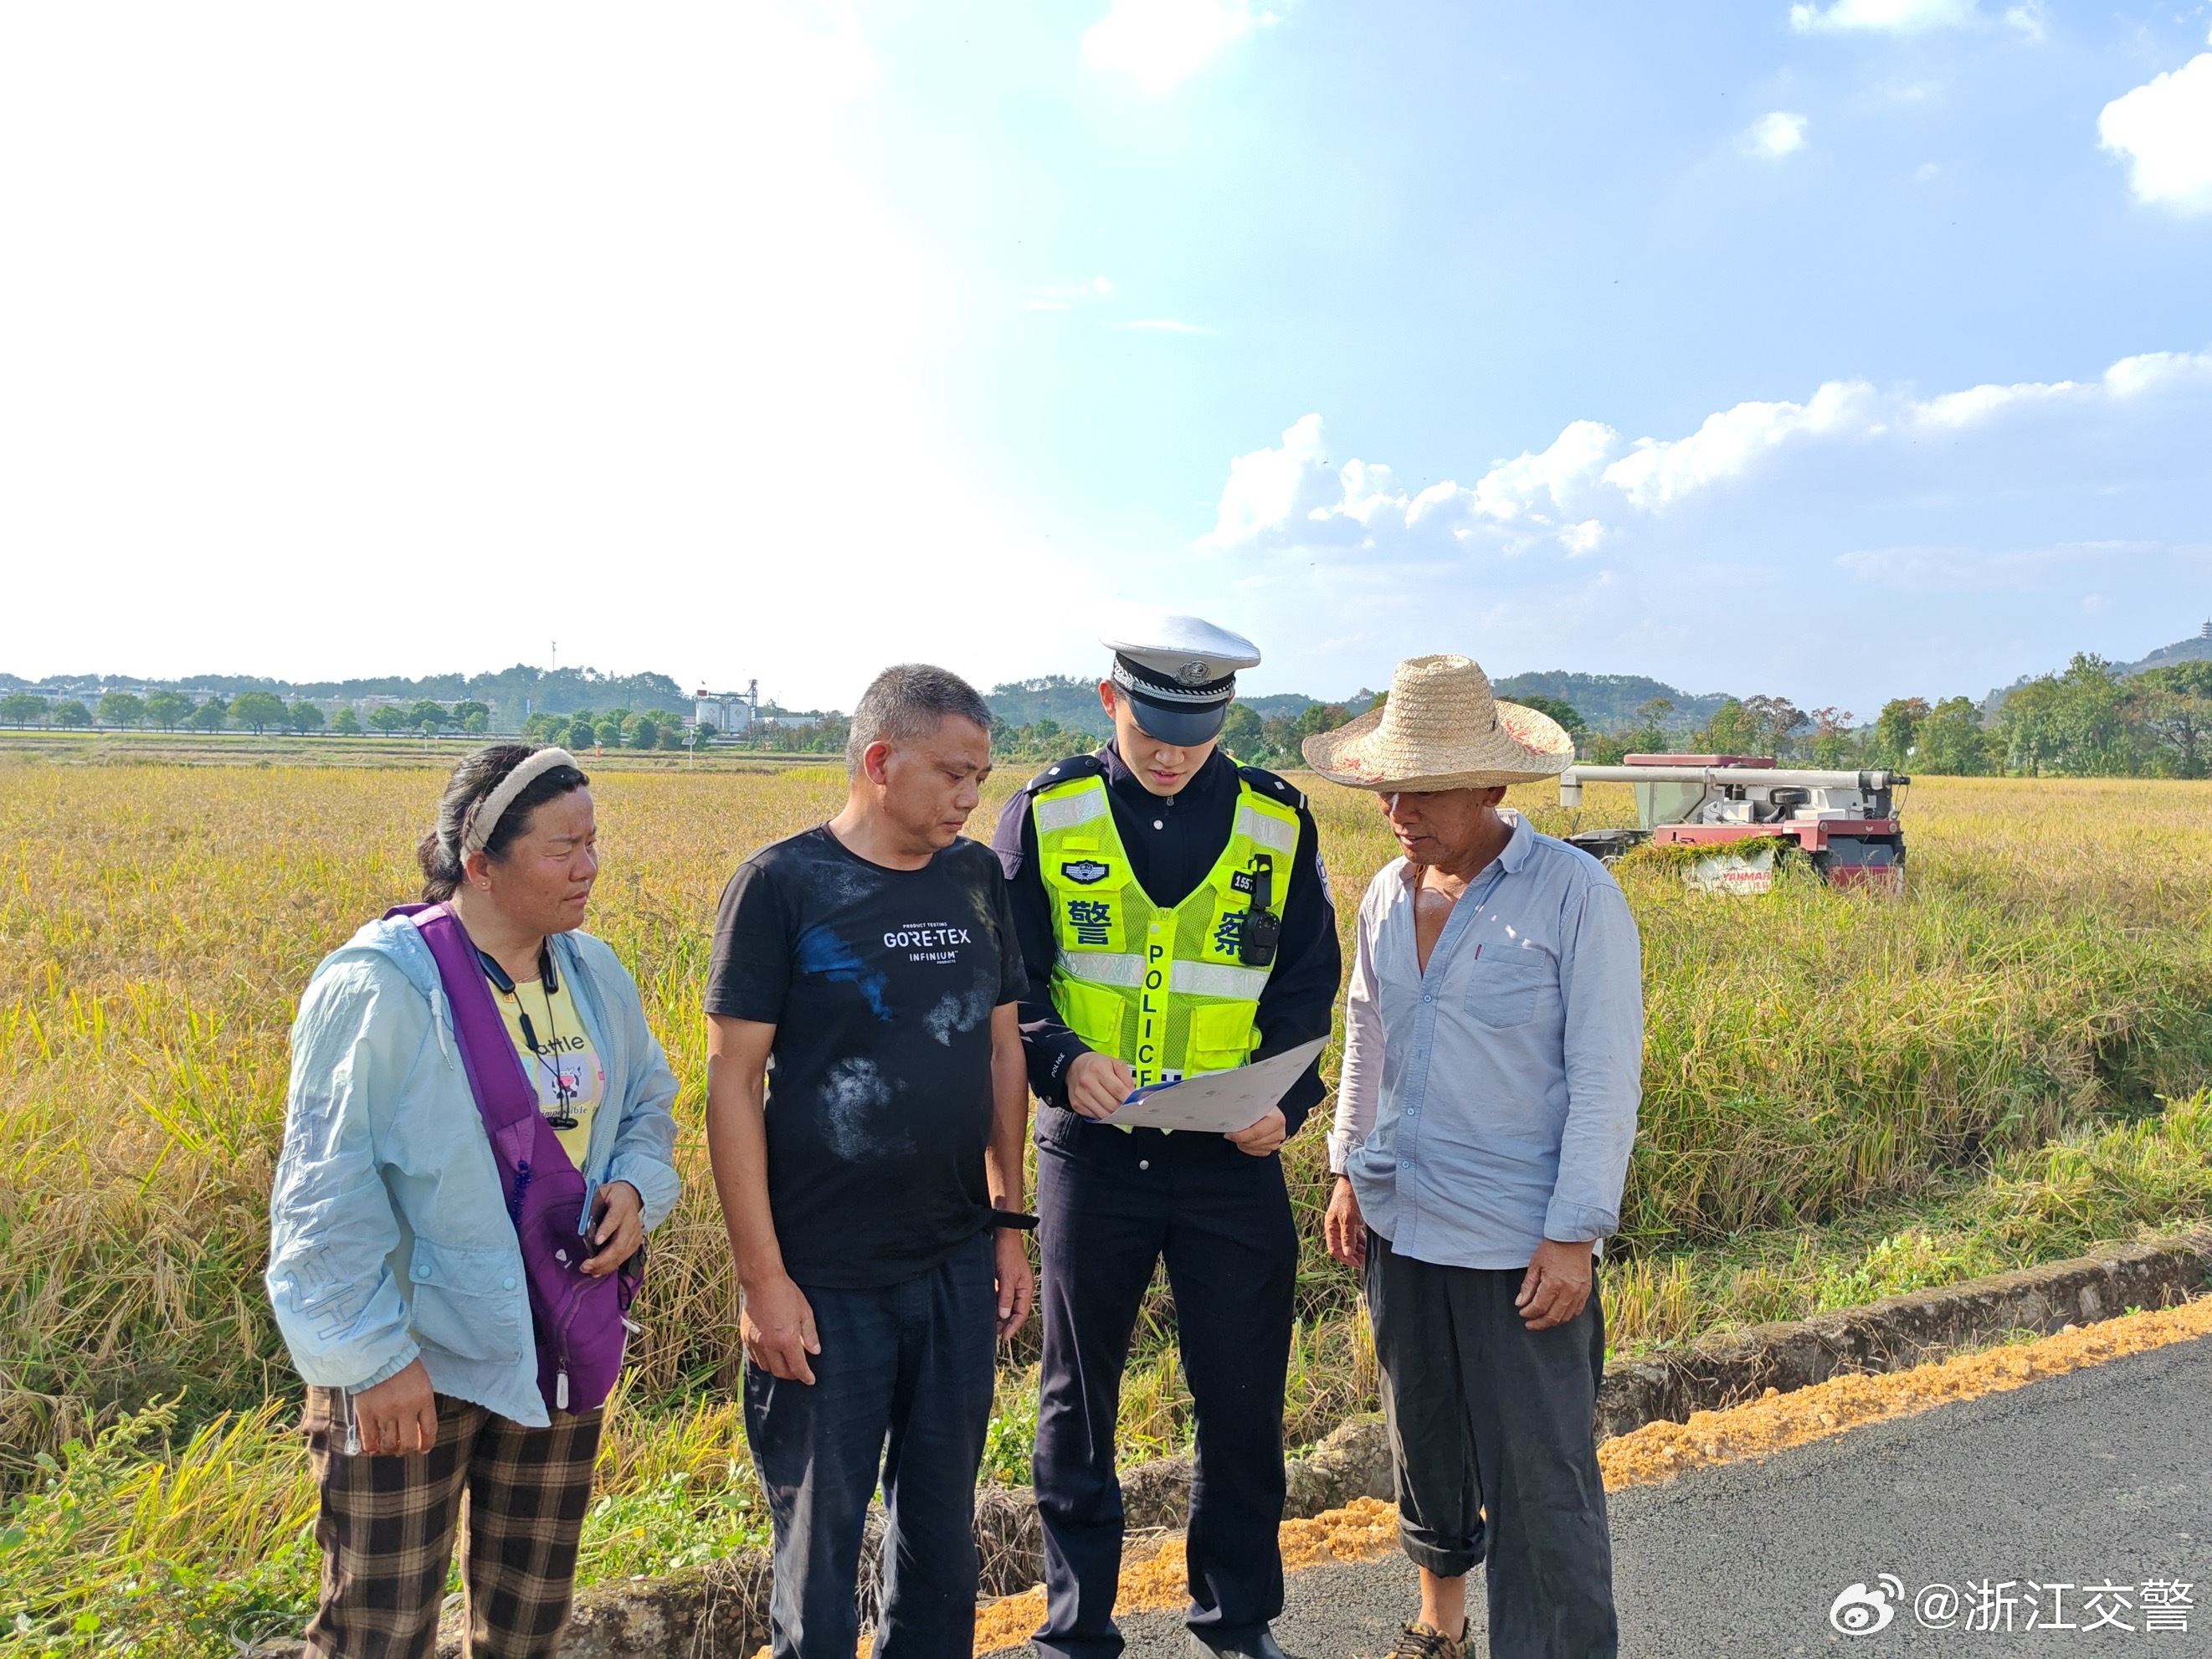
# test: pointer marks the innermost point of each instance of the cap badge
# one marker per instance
(1084, 871)
(1194, 674)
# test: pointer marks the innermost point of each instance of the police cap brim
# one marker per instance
(1182, 724)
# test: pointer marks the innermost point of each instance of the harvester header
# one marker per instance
(1845, 823)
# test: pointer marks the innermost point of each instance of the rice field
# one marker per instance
(1845, 1095)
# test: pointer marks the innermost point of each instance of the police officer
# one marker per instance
(1174, 919)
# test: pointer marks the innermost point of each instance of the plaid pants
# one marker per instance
(386, 1530)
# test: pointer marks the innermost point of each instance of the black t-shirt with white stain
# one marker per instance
(880, 983)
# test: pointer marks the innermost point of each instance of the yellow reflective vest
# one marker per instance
(1162, 989)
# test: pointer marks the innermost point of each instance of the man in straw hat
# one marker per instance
(1493, 1036)
(1175, 921)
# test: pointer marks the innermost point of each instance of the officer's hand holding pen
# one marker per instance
(1097, 1085)
(777, 1327)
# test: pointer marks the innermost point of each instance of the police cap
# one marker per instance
(1179, 674)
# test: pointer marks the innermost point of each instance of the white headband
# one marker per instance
(495, 803)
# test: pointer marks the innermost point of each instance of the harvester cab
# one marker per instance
(1749, 811)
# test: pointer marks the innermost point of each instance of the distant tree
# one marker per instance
(539, 723)
(1646, 735)
(1243, 733)
(1569, 717)
(703, 735)
(644, 732)
(306, 717)
(258, 710)
(2173, 703)
(71, 713)
(2071, 723)
(20, 709)
(1751, 725)
(581, 725)
(609, 731)
(346, 723)
(470, 710)
(1833, 744)
(1318, 717)
(1895, 730)
(1950, 741)
(388, 718)
(672, 736)
(168, 709)
(210, 715)
(122, 708)
(427, 717)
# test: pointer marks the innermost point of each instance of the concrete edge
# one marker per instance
(719, 1611)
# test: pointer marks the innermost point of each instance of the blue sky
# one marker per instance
(1842, 350)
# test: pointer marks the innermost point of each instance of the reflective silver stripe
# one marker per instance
(1105, 968)
(1066, 811)
(1267, 831)
(1213, 979)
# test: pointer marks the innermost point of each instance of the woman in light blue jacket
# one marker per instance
(394, 1271)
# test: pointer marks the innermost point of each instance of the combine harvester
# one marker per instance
(1843, 822)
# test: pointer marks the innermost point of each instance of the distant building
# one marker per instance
(728, 712)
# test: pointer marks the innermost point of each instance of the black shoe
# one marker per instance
(1261, 1645)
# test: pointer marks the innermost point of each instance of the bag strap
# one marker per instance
(500, 1088)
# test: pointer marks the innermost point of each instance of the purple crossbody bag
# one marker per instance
(580, 1321)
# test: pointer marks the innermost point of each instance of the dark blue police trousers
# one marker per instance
(903, 1386)
(1112, 1204)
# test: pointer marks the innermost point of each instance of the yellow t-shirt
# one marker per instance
(558, 1055)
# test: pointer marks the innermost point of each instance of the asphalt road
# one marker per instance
(2099, 1478)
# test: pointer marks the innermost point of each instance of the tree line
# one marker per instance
(258, 712)
(2088, 720)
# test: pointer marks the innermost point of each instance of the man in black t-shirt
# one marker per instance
(866, 1107)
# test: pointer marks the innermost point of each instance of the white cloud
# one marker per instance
(1066, 297)
(1160, 42)
(1589, 484)
(2164, 128)
(1895, 16)
(1892, 16)
(1835, 547)
(2028, 19)
(1774, 134)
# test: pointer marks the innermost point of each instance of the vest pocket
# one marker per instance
(1220, 1036)
(1501, 990)
(1093, 1012)
(463, 1302)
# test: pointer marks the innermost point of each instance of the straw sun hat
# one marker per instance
(1441, 729)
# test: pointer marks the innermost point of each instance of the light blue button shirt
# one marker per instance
(1490, 1103)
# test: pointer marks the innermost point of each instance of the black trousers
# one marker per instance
(902, 1394)
(1490, 1427)
(1111, 1204)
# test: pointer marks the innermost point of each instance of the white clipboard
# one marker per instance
(1217, 1103)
